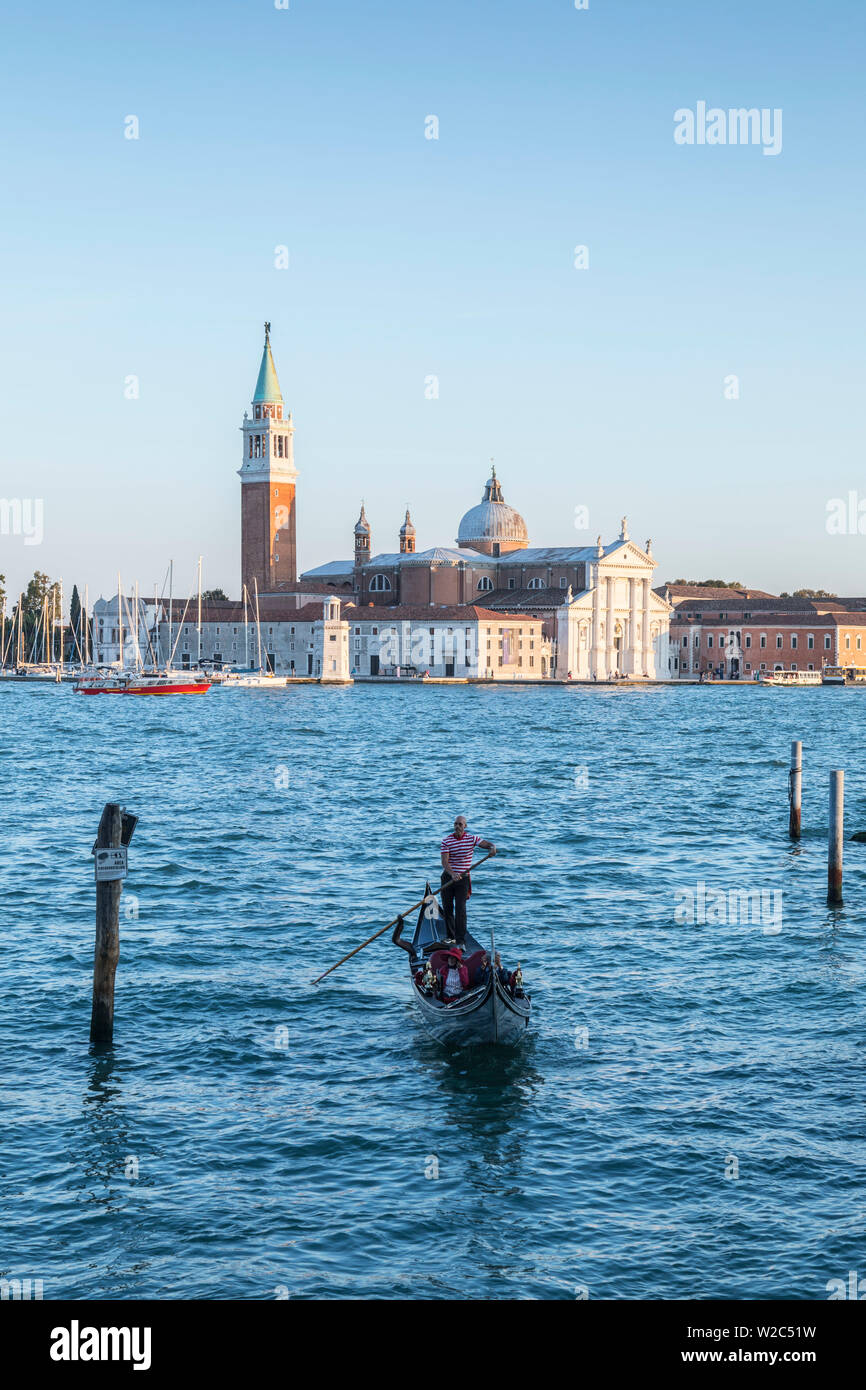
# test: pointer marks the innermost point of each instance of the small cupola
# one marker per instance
(407, 536)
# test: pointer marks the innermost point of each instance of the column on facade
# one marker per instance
(648, 663)
(611, 624)
(632, 662)
(597, 663)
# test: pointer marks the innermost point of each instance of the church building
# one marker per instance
(596, 603)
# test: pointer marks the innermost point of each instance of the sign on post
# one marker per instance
(111, 863)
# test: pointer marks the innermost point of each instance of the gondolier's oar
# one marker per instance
(392, 923)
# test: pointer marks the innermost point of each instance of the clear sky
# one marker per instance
(412, 257)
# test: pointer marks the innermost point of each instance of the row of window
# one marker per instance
(381, 584)
(748, 666)
(780, 640)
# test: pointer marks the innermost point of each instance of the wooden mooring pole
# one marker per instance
(107, 951)
(834, 848)
(795, 790)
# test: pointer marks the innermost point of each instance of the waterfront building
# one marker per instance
(465, 642)
(736, 634)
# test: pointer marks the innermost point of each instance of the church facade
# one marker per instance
(595, 604)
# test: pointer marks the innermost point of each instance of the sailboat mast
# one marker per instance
(85, 621)
(258, 622)
(170, 606)
(137, 633)
(198, 661)
(120, 621)
(246, 632)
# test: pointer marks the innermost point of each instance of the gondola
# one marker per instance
(486, 1012)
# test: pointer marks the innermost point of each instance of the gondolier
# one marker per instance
(457, 851)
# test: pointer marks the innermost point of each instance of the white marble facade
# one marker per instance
(617, 625)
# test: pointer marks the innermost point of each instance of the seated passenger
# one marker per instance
(453, 976)
(502, 974)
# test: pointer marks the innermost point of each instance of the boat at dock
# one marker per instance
(843, 675)
(791, 678)
(251, 680)
(486, 1012)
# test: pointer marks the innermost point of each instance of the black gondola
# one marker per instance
(488, 1011)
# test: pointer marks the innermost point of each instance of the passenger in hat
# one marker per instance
(453, 976)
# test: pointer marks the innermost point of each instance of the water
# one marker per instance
(202, 1158)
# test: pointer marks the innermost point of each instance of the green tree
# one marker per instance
(710, 583)
(215, 594)
(75, 643)
(42, 596)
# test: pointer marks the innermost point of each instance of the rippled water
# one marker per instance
(277, 831)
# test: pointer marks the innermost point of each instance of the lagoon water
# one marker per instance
(253, 1137)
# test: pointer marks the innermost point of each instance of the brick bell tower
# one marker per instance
(267, 474)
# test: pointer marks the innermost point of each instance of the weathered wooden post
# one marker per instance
(795, 790)
(110, 852)
(834, 849)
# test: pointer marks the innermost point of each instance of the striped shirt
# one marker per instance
(460, 851)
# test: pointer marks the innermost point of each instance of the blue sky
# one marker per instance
(453, 257)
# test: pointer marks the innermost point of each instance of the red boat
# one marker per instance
(158, 683)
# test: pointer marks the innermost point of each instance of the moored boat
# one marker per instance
(486, 1012)
(143, 683)
(791, 678)
(251, 680)
(833, 675)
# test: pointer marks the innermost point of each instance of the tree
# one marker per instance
(2, 595)
(710, 583)
(42, 596)
(808, 593)
(216, 595)
(76, 644)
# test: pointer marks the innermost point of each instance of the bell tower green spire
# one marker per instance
(267, 386)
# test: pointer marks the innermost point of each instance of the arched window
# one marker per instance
(380, 584)
(536, 584)
(484, 583)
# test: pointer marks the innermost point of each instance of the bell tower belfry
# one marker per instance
(267, 474)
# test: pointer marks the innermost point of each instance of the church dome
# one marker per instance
(492, 527)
